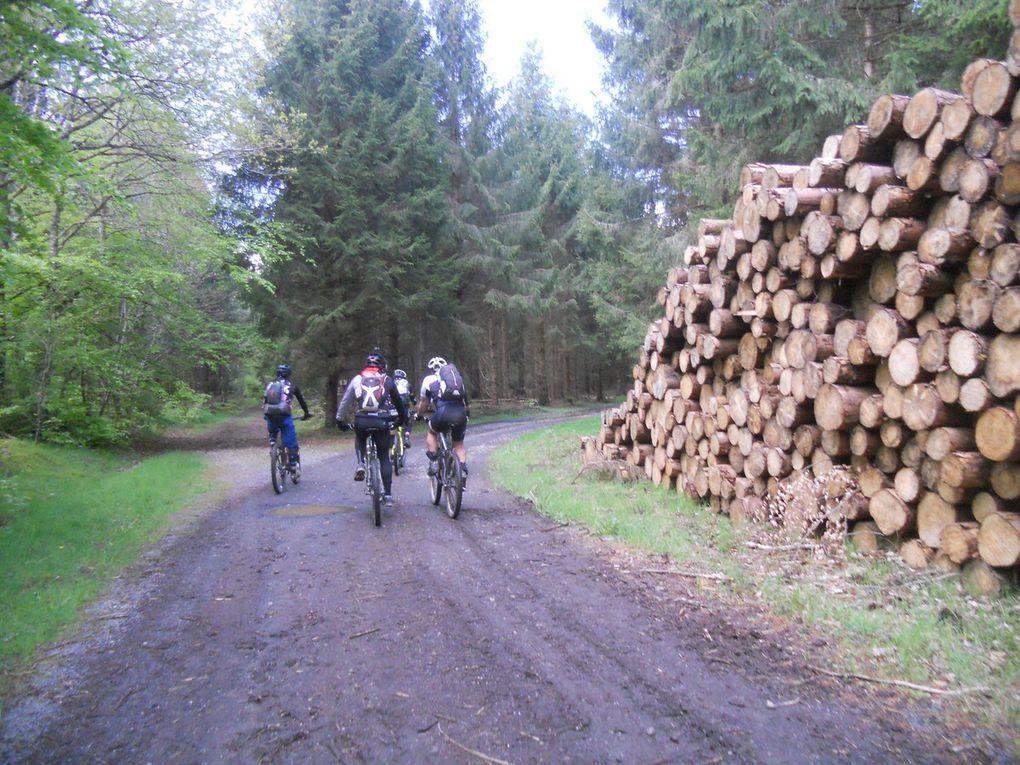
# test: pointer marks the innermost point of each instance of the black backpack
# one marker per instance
(451, 384)
(372, 394)
(277, 397)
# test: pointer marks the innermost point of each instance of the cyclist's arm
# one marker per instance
(300, 399)
(347, 402)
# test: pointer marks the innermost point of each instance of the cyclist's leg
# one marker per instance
(290, 437)
(383, 440)
(431, 441)
(360, 437)
(458, 429)
(272, 426)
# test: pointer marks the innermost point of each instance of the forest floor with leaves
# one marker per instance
(288, 629)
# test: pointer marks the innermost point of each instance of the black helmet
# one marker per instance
(375, 359)
(283, 370)
(400, 374)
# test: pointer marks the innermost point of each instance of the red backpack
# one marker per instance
(371, 393)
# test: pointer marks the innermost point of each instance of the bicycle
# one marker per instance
(449, 477)
(398, 451)
(373, 479)
(279, 466)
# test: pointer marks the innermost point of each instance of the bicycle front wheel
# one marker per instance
(454, 486)
(436, 483)
(274, 471)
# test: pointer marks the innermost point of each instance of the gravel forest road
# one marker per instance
(287, 629)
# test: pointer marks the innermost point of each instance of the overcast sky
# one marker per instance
(558, 26)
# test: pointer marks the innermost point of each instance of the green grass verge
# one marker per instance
(884, 619)
(70, 520)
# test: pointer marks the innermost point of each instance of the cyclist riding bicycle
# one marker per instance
(404, 389)
(277, 401)
(443, 389)
(369, 401)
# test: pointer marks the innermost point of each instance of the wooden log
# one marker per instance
(899, 201)
(955, 119)
(1005, 480)
(949, 171)
(885, 118)
(980, 579)
(1006, 311)
(869, 178)
(890, 513)
(916, 554)
(933, 515)
(975, 301)
(965, 470)
(905, 152)
(924, 409)
(938, 246)
(967, 353)
(997, 434)
(959, 541)
(994, 89)
(899, 234)
(977, 179)
(943, 441)
(982, 136)
(884, 329)
(904, 362)
(1002, 370)
(838, 406)
(1007, 184)
(975, 396)
(1005, 265)
(923, 109)
(999, 539)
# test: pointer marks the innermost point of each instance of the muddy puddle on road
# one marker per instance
(305, 511)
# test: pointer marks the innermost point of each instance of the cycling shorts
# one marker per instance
(450, 416)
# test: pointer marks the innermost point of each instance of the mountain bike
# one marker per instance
(279, 466)
(373, 479)
(449, 478)
(398, 450)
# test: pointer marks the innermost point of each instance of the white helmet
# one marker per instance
(436, 362)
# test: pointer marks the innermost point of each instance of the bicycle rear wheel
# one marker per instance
(397, 454)
(453, 486)
(278, 479)
(377, 492)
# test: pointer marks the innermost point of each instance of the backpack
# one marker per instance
(371, 393)
(277, 397)
(451, 384)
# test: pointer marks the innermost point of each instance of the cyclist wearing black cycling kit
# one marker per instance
(406, 394)
(370, 397)
(284, 422)
(450, 414)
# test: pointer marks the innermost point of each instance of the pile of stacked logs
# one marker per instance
(860, 311)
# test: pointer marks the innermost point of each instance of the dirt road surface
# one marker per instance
(287, 629)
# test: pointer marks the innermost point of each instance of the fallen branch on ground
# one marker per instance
(678, 572)
(469, 750)
(901, 683)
